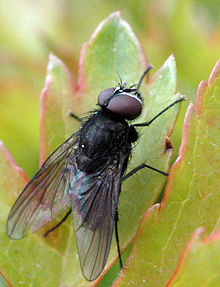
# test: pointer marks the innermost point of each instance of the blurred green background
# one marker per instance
(30, 30)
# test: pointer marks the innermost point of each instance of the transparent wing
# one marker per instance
(46, 195)
(95, 199)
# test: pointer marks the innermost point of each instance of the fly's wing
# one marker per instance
(95, 199)
(46, 195)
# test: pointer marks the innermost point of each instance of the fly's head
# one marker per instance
(122, 100)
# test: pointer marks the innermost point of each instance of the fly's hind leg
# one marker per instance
(58, 224)
(133, 171)
(117, 239)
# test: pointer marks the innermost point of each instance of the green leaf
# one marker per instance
(12, 178)
(199, 263)
(2, 282)
(19, 133)
(112, 50)
(191, 198)
(17, 264)
(141, 190)
(57, 100)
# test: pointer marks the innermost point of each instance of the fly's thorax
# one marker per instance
(120, 141)
(102, 137)
(95, 135)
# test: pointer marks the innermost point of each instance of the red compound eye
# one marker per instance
(122, 103)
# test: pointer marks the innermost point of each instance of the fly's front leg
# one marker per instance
(76, 118)
(146, 124)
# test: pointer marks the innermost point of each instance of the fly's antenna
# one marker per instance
(144, 74)
(120, 79)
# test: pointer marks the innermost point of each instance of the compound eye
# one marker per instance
(123, 104)
(105, 95)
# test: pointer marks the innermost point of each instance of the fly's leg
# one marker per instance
(58, 224)
(117, 238)
(133, 171)
(146, 124)
(76, 118)
(141, 166)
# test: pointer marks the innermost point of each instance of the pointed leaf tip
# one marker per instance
(215, 72)
(12, 179)
(113, 51)
(58, 99)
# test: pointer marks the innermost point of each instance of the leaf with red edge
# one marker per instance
(12, 178)
(112, 51)
(199, 263)
(56, 103)
(154, 148)
(191, 198)
(16, 265)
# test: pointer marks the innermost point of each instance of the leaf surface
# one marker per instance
(199, 263)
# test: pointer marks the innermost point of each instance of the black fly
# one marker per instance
(84, 175)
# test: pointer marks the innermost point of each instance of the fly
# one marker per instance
(84, 175)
